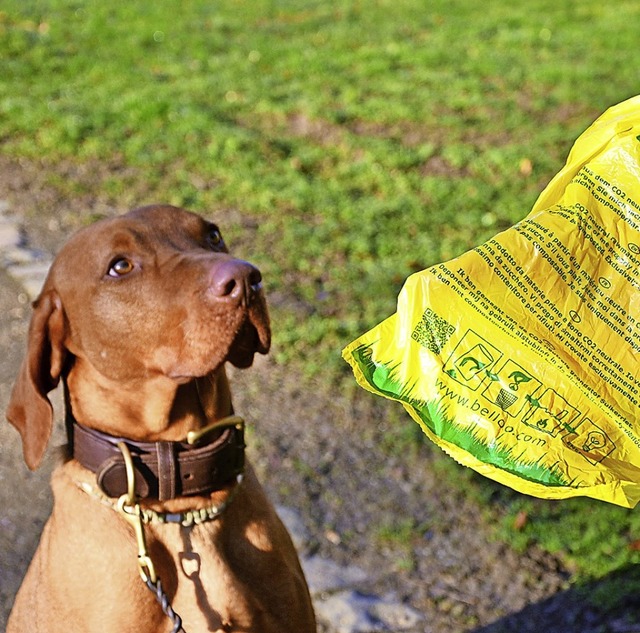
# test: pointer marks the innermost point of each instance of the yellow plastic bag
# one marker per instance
(520, 357)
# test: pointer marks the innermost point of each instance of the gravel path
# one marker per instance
(387, 543)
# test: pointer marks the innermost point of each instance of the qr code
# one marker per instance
(432, 331)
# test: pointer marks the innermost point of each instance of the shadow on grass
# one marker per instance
(608, 605)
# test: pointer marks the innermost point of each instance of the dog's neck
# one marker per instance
(151, 409)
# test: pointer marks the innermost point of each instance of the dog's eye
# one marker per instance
(120, 267)
(214, 237)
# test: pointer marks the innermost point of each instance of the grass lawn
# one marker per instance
(356, 141)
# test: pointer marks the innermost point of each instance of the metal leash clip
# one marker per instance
(130, 509)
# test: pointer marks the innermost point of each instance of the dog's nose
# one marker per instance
(235, 279)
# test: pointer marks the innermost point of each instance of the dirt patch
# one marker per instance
(333, 454)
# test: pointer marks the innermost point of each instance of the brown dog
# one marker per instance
(138, 316)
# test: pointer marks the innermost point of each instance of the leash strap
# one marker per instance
(157, 590)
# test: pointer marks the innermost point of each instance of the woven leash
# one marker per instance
(165, 605)
(186, 519)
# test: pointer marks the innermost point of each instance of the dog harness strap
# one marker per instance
(163, 470)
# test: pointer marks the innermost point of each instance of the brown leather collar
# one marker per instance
(163, 470)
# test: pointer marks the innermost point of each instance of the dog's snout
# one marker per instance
(235, 279)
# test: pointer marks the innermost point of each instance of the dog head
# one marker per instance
(153, 293)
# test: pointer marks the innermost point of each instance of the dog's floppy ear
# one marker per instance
(29, 408)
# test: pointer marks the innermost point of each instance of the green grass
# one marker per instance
(358, 141)
(594, 539)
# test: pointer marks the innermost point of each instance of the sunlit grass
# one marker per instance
(357, 141)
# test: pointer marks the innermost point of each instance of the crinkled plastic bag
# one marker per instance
(519, 358)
